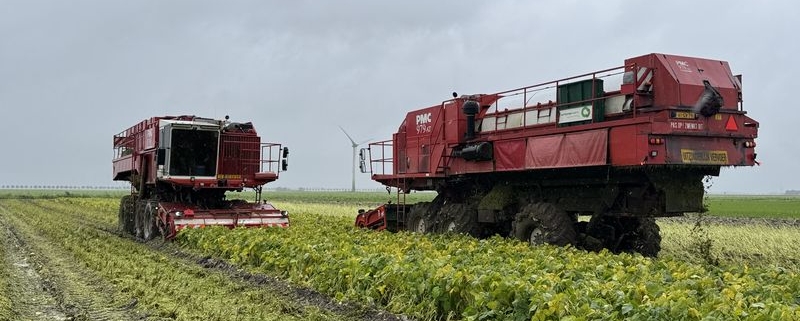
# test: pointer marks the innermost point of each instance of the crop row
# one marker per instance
(455, 277)
(5, 293)
(324, 252)
(98, 272)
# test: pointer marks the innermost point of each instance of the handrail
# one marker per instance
(383, 160)
(528, 92)
(269, 157)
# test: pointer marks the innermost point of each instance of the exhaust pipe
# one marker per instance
(470, 109)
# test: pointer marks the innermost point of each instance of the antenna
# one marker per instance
(355, 145)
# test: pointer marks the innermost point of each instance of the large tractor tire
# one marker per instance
(125, 216)
(419, 218)
(626, 234)
(647, 238)
(139, 217)
(458, 218)
(149, 228)
(602, 232)
(541, 223)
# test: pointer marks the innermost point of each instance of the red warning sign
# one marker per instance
(731, 124)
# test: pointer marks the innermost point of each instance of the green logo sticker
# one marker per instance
(585, 111)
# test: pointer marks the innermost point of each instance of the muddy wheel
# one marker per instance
(418, 218)
(149, 228)
(139, 219)
(626, 234)
(648, 239)
(601, 233)
(125, 217)
(541, 223)
(458, 218)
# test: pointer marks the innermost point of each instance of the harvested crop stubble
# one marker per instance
(102, 274)
(458, 277)
(751, 243)
(5, 292)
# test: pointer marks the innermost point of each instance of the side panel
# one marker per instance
(422, 129)
(239, 156)
(150, 138)
(623, 146)
(509, 154)
(454, 124)
(462, 166)
(122, 167)
(566, 150)
(400, 154)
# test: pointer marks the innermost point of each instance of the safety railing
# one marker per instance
(540, 104)
(271, 154)
(381, 158)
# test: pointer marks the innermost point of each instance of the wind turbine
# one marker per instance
(355, 145)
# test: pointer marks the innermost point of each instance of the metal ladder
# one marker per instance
(444, 162)
(402, 213)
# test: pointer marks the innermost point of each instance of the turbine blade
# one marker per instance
(348, 136)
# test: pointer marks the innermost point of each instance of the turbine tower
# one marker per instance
(355, 145)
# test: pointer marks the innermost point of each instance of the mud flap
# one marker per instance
(682, 190)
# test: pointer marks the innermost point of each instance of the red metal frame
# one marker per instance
(243, 161)
(374, 219)
(655, 102)
(174, 217)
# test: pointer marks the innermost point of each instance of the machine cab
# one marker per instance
(188, 149)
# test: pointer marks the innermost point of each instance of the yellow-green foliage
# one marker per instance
(73, 234)
(752, 244)
(455, 277)
(5, 301)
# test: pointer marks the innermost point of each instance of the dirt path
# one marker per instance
(52, 284)
(27, 290)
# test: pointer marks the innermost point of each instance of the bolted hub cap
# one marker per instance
(537, 236)
(421, 226)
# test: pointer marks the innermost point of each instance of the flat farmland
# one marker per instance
(80, 267)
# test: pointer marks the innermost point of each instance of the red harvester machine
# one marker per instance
(180, 169)
(518, 164)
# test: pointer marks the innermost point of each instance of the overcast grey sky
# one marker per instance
(74, 73)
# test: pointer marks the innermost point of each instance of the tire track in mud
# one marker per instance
(26, 288)
(77, 292)
(296, 294)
